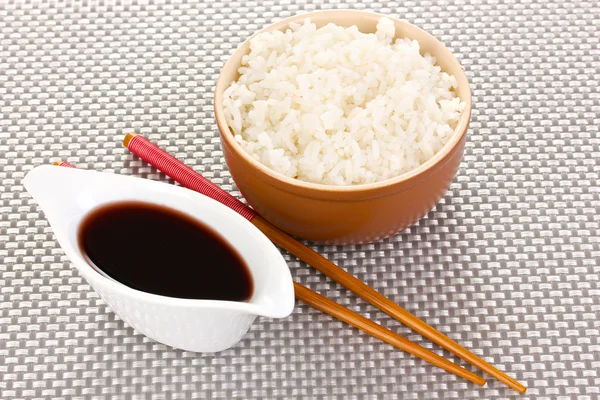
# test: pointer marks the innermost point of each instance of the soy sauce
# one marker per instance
(159, 250)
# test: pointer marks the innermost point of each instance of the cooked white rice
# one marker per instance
(340, 107)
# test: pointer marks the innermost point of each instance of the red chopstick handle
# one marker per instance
(60, 163)
(181, 173)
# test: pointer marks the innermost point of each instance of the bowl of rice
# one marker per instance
(342, 126)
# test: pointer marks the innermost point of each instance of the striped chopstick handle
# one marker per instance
(60, 163)
(181, 173)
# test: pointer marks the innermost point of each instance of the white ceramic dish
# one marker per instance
(67, 195)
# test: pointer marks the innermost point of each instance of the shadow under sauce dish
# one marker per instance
(159, 250)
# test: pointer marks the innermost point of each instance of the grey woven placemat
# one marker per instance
(507, 263)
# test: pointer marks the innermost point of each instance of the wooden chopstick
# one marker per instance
(186, 176)
(344, 314)
(340, 312)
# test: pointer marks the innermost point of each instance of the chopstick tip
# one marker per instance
(128, 138)
(480, 381)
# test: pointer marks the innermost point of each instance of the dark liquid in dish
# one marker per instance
(159, 250)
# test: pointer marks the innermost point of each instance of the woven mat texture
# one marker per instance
(506, 263)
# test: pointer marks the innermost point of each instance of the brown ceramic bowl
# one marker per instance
(346, 214)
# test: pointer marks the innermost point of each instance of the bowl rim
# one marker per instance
(430, 165)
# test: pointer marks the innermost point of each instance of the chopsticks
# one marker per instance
(334, 309)
(344, 314)
(189, 178)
